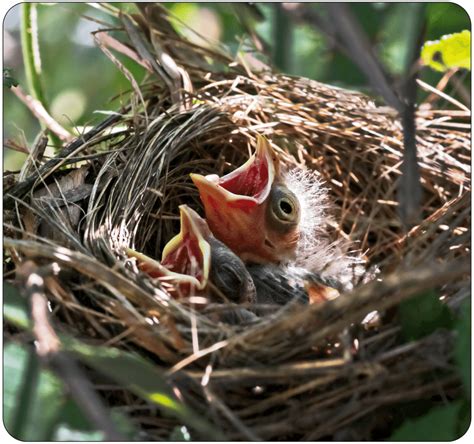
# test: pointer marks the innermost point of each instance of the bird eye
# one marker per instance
(283, 208)
(286, 206)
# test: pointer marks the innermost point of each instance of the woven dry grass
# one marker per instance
(300, 372)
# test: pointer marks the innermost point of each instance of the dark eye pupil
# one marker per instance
(286, 207)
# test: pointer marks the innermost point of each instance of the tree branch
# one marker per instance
(350, 38)
(39, 111)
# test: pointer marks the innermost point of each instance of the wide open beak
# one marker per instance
(234, 203)
(186, 257)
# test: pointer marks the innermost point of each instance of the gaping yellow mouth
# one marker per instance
(236, 206)
(248, 185)
(186, 257)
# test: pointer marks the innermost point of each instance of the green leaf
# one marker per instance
(73, 418)
(439, 424)
(46, 407)
(129, 370)
(14, 368)
(36, 407)
(15, 307)
(142, 378)
(462, 349)
(8, 80)
(72, 425)
(451, 51)
(423, 314)
(33, 397)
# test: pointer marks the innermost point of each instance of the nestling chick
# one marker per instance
(270, 216)
(251, 210)
(194, 259)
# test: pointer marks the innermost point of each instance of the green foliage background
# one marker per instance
(79, 81)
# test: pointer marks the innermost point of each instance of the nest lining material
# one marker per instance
(314, 383)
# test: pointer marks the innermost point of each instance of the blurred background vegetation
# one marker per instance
(81, 84)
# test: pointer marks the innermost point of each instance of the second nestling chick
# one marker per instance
(279, 284)
(194, 260)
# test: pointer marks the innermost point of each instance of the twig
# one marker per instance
(162, 64)
(461, 89)
(440, 86)
(443, 95)
(282, 396)
(361, 52)
(348, 34)
(281, 371)
(128, 75)
(88, 266)
(409, 191)
(233, 419)
(102, 37)
(15, 146)
(195, 356)
(333, 316)
(75, 146)
(409, 187)
(39, 111)
(48, 348)
(35, 155)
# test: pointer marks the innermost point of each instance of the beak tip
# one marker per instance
(199, 180)
(188, 216)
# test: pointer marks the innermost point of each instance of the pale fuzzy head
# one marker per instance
(314, 202)
(316, 251)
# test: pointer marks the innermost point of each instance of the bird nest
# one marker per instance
(335, 370)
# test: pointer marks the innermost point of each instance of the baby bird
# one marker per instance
(251, 210)
(276, 222)
(264, 239)
(194, 259)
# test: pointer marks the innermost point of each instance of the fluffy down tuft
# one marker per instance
(316, 251)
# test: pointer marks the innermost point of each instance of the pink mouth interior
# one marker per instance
(251, 182)
(181, 260)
